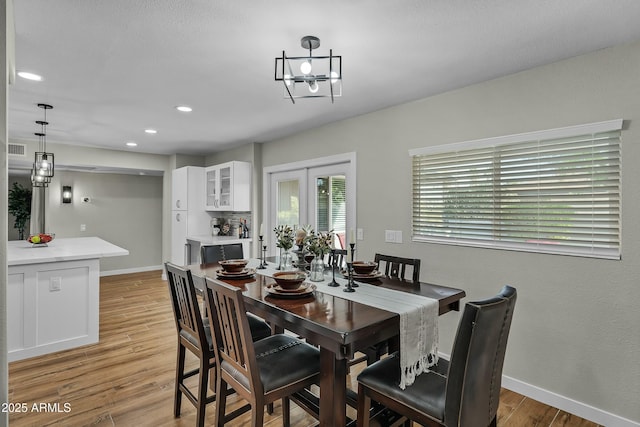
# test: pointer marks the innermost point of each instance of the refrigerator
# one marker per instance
(188, 215)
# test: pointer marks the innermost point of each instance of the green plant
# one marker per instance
(284, 237)
(20, 206)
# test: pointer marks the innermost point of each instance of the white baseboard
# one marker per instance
(131, 270)
(566, 404)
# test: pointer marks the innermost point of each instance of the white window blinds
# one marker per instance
(554, 191)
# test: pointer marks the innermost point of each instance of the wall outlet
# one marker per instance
(393, 236)
(55, 283)
(83, 227)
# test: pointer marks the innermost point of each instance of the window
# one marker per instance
(554, 191)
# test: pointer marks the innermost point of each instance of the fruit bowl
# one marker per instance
(364, 267)
(41, 238)
(289, 280)
(233, 265)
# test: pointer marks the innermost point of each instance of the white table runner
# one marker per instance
(418, 319)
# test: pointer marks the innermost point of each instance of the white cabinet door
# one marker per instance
(228, 187)
(186, 189)
(179, 221)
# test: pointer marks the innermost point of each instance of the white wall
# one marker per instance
(575, 327)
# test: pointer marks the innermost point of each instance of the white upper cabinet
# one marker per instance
(187, 187)
(228, 187)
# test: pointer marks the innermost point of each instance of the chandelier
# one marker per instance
(310, 76)
(43, 164)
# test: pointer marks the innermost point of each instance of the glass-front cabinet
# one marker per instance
(228, 187)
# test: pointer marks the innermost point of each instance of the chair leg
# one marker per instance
(494, 422)
(286, 406)
(257, 415)
(177, 400)
(202, 391)
(364, 406)
(221, 397)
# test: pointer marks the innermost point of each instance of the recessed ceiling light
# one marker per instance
(184, 108)
(30, 76)
(151, 131)
(131, 144)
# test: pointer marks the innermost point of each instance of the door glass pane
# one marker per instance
(225, 186)
(331, 209)
(288, 203)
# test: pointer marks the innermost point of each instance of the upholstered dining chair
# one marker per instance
(396, 267)
(261, 372)
(215, 253)
(194, 334)
(464, 391)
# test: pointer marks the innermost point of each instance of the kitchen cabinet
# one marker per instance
(228, 187)
(188, 215)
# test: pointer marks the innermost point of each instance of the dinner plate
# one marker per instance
(245, 273)
(374, 275)
(304, 290)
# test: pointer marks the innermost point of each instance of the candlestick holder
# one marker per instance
(333, 283)
(349, 287)
(353, 251)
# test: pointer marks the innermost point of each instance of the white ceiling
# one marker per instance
(113, 68)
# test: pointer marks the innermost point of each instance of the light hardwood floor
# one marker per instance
(127, 378)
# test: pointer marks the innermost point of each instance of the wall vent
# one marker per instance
(18, 150)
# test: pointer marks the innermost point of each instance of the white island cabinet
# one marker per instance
(53, 294)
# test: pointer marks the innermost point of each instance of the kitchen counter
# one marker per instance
(53, 294)
(20, 252)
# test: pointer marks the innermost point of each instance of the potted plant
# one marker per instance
(20, 207)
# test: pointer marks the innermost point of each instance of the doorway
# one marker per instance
(318, 192)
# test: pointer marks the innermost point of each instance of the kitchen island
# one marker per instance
(53, 294)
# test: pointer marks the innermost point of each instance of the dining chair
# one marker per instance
(232, 251)
(463, 391)
(396, 267)
(260, 372)
(194, 334)
(211, 253)
(340, 258)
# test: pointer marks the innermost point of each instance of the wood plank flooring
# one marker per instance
(127, 378)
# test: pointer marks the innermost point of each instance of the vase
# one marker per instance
(286, 261)
(316, 271)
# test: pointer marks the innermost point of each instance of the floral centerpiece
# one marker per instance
(284, 241)
(284, 237)
(318, 244)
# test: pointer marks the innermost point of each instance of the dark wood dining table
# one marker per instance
(339, 327)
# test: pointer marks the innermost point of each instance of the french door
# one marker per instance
(319, 193)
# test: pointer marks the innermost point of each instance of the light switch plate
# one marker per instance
(55, 283)
(359, 234)
(389, 236)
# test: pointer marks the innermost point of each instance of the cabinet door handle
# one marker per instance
(178, 204)
(178, 217)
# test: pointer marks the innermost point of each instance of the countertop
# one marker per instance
(21, 252)
(208, 239)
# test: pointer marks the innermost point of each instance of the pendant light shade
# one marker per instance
(44, 162)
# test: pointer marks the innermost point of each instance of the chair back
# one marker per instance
(186, 310)
(396, 267)
(234, 345)
(211, 253)
(340, 255)
(232, 251)
(475, 368)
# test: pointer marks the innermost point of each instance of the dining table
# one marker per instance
(338, 326)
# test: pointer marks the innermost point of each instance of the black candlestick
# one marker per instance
(353, 251)
(350, 283)
(333, 283)
(262, 263)
(264, 257)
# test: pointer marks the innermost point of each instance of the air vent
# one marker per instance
(18, 150)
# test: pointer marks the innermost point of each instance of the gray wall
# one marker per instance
(125, 210)
(575, 326)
